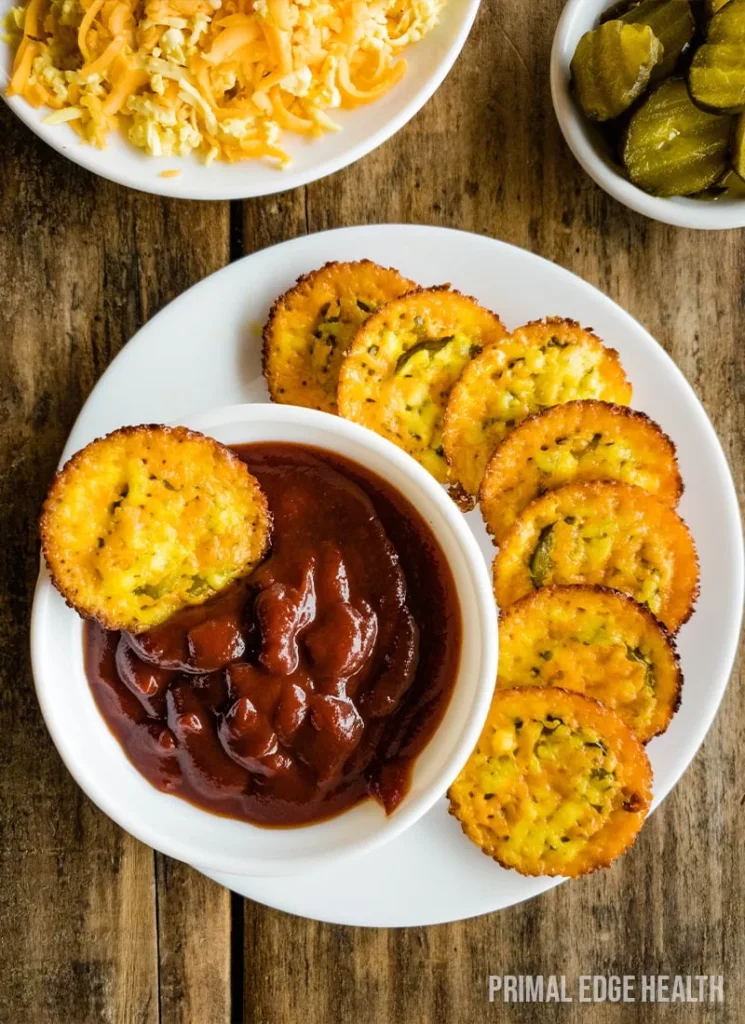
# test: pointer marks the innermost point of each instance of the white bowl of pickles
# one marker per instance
(650, 97)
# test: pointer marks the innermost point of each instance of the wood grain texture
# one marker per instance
(194, 946)
(92, 926)
(82, 938)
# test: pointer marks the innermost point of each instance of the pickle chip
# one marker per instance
(717, 74)
(539, 365)
(609, 533)
(671, 147)
(149, 519)
(672, 22)
(612, 66)
(598, 642)
(738, 147)
(403, 362)
(731, 186)
(577, 441)
(618, 9)
(312, 325)
(557, 785)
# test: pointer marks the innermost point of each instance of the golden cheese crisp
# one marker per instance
(607, 533)
(149, 519)
(403, 362)
(583, 440)
(557, 785)
(598, 642)
(312, 325)
(539, 365)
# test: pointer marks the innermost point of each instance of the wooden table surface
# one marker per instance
(94, 926)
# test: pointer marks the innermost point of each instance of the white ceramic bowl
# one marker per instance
(214, 843)
(363, 129)
(590, 149)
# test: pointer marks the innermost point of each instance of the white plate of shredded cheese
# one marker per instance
(224, 99)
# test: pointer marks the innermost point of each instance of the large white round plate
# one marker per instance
(203, 351)
(363, 129)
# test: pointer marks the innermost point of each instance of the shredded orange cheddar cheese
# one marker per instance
(224, 78)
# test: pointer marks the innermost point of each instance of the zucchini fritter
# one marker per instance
(149, 519)
(311, 326)
(598, 642)
(584, 440)
(557, 785)
(607, 533)
(402, 364)
(539, 365)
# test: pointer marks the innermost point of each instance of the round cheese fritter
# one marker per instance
(598, 642)
(537, 366)
(557, 785)
(403, 363)
(607, 533)
(311, 326)
(149, 519)
(584, 440)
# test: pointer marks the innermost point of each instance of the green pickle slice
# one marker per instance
(738, 147)
(731, 186)
(728, 26)
(611, 67)
(717, 75)
(672, 22)
(618, 10)
(671, 147)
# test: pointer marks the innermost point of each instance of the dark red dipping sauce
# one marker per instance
(312, 684)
